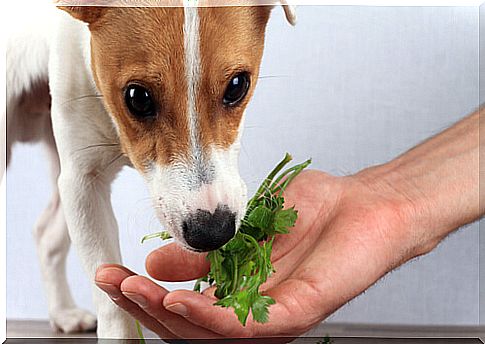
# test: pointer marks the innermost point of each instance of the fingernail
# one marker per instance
(178, 308)
(111, 289)
(136, 298)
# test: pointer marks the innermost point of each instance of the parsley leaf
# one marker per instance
(241, 266)
(285, 219)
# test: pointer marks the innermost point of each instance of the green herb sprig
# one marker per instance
(241, 266)
(140, 332)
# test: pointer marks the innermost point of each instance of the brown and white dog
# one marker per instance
(161, 89)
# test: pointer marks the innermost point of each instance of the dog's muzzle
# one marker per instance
(206, 231)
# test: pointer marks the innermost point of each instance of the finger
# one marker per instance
(209, 292)
(286, 318)
(173, 263)
(199, 310)
(149, 297)
(109, 278)
(112, 273)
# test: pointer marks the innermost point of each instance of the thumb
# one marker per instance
(173, 263)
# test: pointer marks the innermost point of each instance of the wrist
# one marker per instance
(435, 185)
(405, 209)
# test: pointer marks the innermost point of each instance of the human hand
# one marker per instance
(350, 231)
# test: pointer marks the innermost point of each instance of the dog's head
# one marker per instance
(176, 82)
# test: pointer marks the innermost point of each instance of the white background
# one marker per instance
(354, 86)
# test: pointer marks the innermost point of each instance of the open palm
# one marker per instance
(343, 241)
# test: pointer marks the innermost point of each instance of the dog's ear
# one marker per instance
(290, 12)
(88, 14)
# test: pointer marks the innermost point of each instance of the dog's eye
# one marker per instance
(139, 102)
(237, 89)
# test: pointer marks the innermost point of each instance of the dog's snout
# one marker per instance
(206, 231)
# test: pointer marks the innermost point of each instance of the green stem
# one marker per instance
(269, 178)
(140, 332)
(217, 264)
(299, 167)
(288, 180)
(162, 235)
(235, 279)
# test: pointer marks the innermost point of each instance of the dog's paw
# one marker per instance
(72, 320)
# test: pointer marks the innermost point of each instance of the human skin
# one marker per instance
(350, 232)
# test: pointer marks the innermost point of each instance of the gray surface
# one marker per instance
(41, 329)
(352, 87)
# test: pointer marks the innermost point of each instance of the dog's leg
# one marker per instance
(53, 243)
(88, 166)
(93, 230)
(29, 121)
(90, 158)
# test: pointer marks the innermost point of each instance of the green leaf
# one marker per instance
(259, 308)
(326, 340)
(239, 302)
(285, 219)
(261, 217)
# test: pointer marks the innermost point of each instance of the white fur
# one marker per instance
(174, 199)
(27, 45)
(86, 174)
(192, 70)
(28, 49)
(56, 46)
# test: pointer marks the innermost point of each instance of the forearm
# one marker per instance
(436, 184)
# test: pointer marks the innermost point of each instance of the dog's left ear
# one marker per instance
(290, 12)
(88, 14)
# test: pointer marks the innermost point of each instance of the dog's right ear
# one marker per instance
(290, 12)
(88, 14)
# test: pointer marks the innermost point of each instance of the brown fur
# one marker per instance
(146, 45)
(232, 40)
(88, 14)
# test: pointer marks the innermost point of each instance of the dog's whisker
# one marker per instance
(111, 162)
(103, 170)
(150, 222)
(143, 200)
(98, 145)
(133, 223)
(273, 76)
(82, 97)
(243, 147)
(143, 209)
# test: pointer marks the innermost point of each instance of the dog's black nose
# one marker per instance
(206, 231)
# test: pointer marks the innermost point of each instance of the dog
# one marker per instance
(161, 89)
